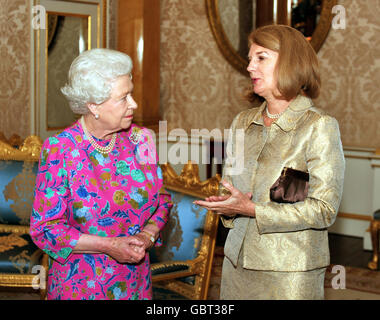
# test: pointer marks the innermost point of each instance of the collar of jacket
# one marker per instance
(288, 119)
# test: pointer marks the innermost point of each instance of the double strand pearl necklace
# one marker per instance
(273, 116)
(97, 147)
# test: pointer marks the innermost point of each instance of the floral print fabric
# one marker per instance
(79, 190)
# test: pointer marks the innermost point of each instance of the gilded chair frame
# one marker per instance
(17, 150)
(374, 229)
(188, 183)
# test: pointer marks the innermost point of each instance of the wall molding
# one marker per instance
(354, 216)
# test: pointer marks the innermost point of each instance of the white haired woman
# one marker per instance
(99, 203)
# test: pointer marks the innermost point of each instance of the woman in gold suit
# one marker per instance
(277, 250)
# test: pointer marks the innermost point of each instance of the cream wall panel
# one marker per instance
(375, 163)
(350, 227)
(358, 187)
(361, 195)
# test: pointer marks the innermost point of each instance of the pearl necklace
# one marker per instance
(97, 147)
(273, 116)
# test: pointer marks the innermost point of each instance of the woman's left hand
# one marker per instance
(149, 231)
(231, 205)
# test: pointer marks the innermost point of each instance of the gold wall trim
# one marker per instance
(5, 228)
(105, 23)
(355, 216)
(358, 149)
(371, 153)
(15, 280)
(357, 156)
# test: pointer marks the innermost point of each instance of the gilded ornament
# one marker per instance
(10, 241)
(29, 150)
(188, 183)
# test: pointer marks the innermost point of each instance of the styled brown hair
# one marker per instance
(297, 69)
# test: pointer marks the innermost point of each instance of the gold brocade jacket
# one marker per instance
(284, 237)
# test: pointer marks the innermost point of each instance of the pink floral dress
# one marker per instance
(78, 190)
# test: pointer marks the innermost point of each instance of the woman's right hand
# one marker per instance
(125, 249)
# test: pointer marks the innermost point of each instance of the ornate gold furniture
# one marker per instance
(374, 228)
(18, 253)
(181, 268)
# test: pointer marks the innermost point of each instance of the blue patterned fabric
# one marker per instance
(182, 235)
(170, 268)
(17, 180)
(166, 294)
(18, 253)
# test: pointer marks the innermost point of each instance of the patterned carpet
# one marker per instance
(359, 279)
(216, 274)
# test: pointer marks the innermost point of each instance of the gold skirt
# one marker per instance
(243, 284)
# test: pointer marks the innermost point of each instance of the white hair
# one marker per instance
(92, 75)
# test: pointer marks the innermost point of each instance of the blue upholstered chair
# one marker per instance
(181, 267)
(18, 253)
(374, 228)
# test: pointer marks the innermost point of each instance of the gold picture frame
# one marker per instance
(240, 63)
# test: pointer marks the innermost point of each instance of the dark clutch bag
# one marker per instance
(292, 186)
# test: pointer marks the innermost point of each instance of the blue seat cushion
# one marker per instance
(168, 268)
(182, 236)
(18, 253)
(160, 293)
(376, 215)
(17, 181)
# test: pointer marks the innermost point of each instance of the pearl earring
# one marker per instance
(96, 116)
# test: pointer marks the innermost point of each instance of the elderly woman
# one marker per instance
(99, 202)
(279, 249)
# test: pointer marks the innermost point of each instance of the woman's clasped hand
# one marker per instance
(128, 249)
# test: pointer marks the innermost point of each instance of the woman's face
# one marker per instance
(262, 63)
(116, 113)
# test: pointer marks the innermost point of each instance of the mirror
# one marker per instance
(67, 37)
(71, 28)
(231, 21)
